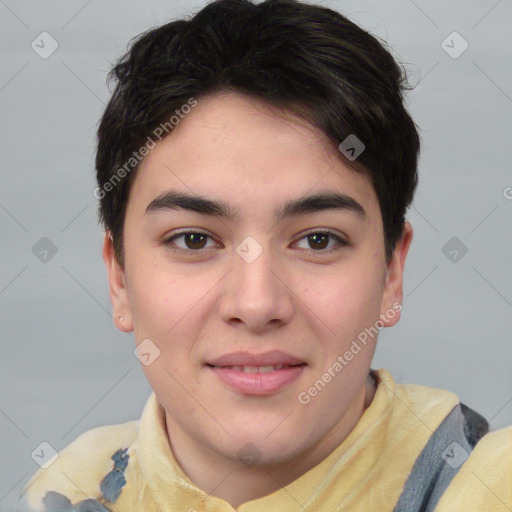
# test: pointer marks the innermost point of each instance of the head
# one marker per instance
(238, 219)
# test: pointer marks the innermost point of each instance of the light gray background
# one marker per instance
(65, 368)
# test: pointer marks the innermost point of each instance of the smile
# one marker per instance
(257, 380)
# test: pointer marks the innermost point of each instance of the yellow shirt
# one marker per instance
(366, 472)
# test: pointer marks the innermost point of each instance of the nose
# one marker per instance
(255, 292)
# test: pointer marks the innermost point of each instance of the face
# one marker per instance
(229, 301)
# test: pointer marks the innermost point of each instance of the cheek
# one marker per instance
(345, 302)
(153, 301)
(168, 307)
(158, 299)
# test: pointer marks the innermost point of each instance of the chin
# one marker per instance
(260, 450)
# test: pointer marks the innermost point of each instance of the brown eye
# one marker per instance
(318, 241)
(192, 242)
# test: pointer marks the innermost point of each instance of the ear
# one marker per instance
(393, 292)
(122, 316)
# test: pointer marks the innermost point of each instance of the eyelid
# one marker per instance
(168, 239)
(342, 242)
(329, 231)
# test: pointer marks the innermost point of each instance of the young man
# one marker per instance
(254, 167)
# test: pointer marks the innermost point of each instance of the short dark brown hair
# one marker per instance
(299, 57)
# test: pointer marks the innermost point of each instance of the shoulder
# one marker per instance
(415, 404)
(79, 468)
(418, 396)
(484, 481)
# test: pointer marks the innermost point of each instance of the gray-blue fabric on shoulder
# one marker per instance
(114, 481)
(111, 486)
(441, 459)
(56, 502)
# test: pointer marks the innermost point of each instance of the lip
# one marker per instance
(271, 358)
(266, 383)
(257, 383)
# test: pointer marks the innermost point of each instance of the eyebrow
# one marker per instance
(174, 200)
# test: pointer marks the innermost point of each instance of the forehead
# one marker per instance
(239, 148)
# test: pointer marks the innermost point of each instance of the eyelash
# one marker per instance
(190, 252)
